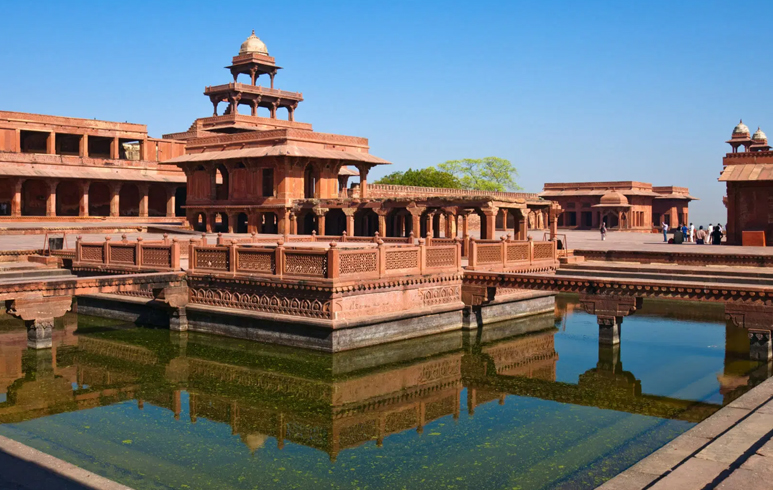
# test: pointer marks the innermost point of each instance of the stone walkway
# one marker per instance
(732, 449)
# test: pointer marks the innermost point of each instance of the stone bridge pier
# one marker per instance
(610, 311)
(176, 298)
(38, 314)
(758, 320)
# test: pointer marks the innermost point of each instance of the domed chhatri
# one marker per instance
(614, 198)
(253, 44)
(741, 128)
(759, 136)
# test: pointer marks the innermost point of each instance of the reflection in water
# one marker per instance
(499, 407)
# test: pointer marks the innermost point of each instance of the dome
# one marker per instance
(759, 135)
(253, 44)
(614, 198)
(741, 128)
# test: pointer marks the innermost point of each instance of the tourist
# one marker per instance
(701, 236)
(716, 235)
(679, 235)
(685, 232)
(692, 233)
(664, 225)
(708, 233)
(603, 230)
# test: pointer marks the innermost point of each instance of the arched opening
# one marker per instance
(34, 194)
(67, 199)
(99, 199)
(156, 200)
(129, 200)
(199, 222)
(399, 223)
(307, 222)
(7, 190)
(180, 196)
(221, 223)
(310, 181)
(611, 220)
(221, 182)
(242, 222)
(365, 222)
(268, 223)
(335, 222)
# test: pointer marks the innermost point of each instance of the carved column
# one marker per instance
(16, 200)
(760, 345)
(430, 224)
(51, 200)
(38, 315)
(521, 230)
(293, 224)
(490, 216)
(170, 202)
(115, 205)
(555, 212)
(363, 169)
(210, 225)
(416, 213)
(114, 149)
(83, 207)
(143, 188)
(349, 212)
(382, 214)
(321, 213)
(609, 311)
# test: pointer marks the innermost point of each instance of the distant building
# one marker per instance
(748, 171)
(624, 206)
(53, 166)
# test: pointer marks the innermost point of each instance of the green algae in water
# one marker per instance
(156, 409)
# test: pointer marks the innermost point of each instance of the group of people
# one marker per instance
(683, 233)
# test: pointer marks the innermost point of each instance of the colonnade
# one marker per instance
(82, 198)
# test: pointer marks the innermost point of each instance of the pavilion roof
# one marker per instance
(598, 192)
(279, 151)
(748, 172)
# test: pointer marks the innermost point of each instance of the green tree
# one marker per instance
(425, 177)
(485, 174)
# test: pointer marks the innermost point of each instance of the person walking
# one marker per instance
(664, 225)
(603, 230)
(692, 233)
(708, 233)
(701, 236)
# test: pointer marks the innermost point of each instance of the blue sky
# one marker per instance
(568, 91)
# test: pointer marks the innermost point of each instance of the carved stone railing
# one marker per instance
(507, 254)
(123, 255)
(332, 262)
(256, 238)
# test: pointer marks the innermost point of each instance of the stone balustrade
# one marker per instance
(140, 255)
(507, 255)
(333, 262)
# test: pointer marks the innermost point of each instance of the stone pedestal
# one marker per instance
(178, 320)
(760, 347)
(39, 333)
(609, 329)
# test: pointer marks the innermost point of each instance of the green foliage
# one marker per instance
(425, 177)
(485, 174)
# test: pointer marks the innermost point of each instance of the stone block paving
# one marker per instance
(732, 449)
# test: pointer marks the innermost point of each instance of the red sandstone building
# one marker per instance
(624, 206)
(54, 166)
(250, 173)
(748, 172)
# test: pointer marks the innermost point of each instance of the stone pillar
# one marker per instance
(16, 200)
(170, 202)
(522, 226)
(39, 333)
(364, 169)
(38, 315)
(143, 200)
(321, 213)
(83, 146)
(490, 216)
(293, 224)
(382, 214)
(115, 204)
(554, 213)
(284, 222)
(349, 212)
(83, 207)
(430, 224)
(51, 200)
(114, 150)
(210, 222)
(231, 221)
(760, 345)
(609, 329)
(51, 143)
